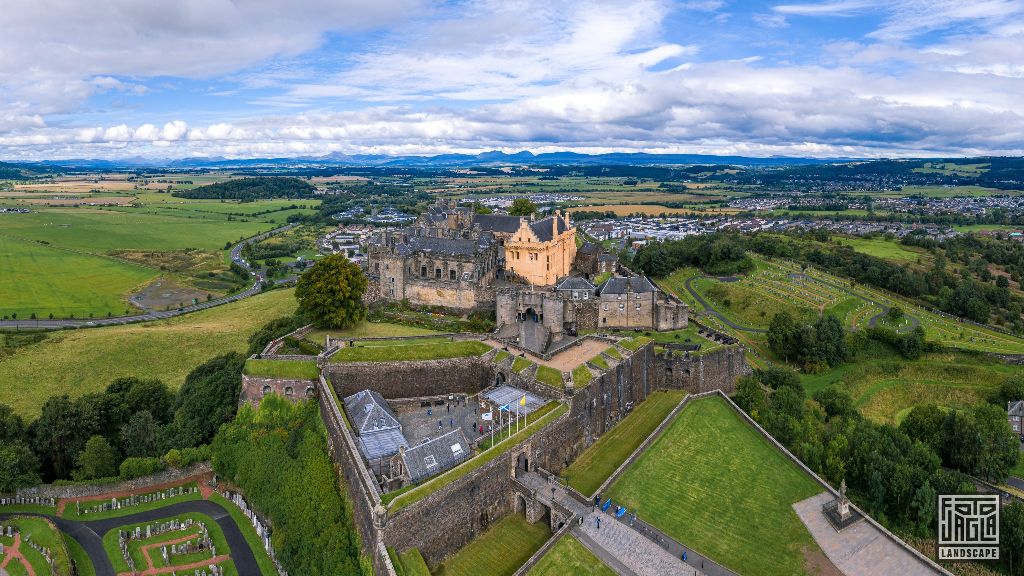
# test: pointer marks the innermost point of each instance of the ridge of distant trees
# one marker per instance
(255, 188)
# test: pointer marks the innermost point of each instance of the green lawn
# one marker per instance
(44, 533)
(298, 369)
(499, 551)
(82, 562)
(409, 563)
(598, 461)
(87, 360)
(581, 376)
(885, 249)
(431, 351)
(369, 330)
(501, 355)
(113, 551)
(549, 376)
(43, 280)
(520, 364)
(71, 510)
(255, 542)
(712, 482)
(570, 558)
(600, 362)
(885, 387)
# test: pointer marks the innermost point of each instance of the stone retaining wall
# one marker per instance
(466, 375)
(254, 388)
(85, 490)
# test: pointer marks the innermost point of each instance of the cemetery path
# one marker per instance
(90, 534)
(14, 554)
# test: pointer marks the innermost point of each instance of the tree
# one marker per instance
(18, 466)
(895, 314)
(925, 423)
(829, 340)
(330, 293)
(207, 399)
(97, 460)
(1011, 390)
(781, 336)
(1011, 537)
(998, 447)
(522, 207)
(152, 396)
(139, 435)
(59, 434)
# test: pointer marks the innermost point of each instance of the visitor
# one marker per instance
(439, 425)
(451, 423)
(598, 522)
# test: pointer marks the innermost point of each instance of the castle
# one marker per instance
(526, 270)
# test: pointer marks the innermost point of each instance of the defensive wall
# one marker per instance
(444, 521)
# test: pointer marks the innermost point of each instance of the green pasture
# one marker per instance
(499, 551)
(570, 558)
(87, 360)
(601, 458)
(885, 249)
(39, 279)
(885, 386)
(713, 482)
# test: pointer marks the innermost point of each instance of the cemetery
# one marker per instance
(186, 543)
(32, 546)
(96, 509)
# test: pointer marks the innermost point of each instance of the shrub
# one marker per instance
(136, 467)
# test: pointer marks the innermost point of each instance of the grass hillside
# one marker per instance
(711, 475)
(86, 360)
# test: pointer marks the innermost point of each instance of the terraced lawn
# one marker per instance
(598, 461)
(714, 483)
(431, 351)
(499, 551)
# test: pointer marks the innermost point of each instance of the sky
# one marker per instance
(300, 78)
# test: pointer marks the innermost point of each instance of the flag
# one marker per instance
(522, 401)
(504, 408)
(487, 416)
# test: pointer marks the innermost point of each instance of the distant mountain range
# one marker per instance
(493, 158)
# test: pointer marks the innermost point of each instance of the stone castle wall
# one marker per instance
(254, 388)
(412, 379)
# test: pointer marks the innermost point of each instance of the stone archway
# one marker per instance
(522, 463)
(520, 504)
(499, 379)
(531, 314)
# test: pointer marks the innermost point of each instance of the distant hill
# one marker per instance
(252, 189)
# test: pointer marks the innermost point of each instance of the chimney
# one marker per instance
(554, 226)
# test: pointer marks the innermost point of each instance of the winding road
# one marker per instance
(872, 322)
(236, 257)
(90, 533)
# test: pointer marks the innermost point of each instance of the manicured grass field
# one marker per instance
(82, 562)
(298, 369)
(520, 364)
(43, 280)
(581, 376)
(411, 352)
(597, 462)
(570, 558)
(45, 534)
(712, 482)
(499, 551)
(87, 360)
(369, 330)
(549, 376)
(113, 551)
(255, 542)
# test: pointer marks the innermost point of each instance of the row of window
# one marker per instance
(622, 306)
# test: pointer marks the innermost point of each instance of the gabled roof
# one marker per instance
(1015, 408)
(575, 283)
(624, 285)
(445, 246)
(543, 228)
(590, 248)
(436, 455)
(369, 412)
(497, 222)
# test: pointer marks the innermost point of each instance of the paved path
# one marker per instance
(13, 554)
(861, 549)
(710, 309)
(1015, 482)
(90, 534)
(236, 257)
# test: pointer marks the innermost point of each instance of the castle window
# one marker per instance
(451, 274)
(586, 295)
(392, 279)
(606, 307)
(637, 296)
(637, 305)
(437, 273)
(622, 307)
(423, 271)
(465, 275)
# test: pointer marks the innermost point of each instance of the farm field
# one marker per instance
(598, 461)
(43, 280)
(712, 474)
(651, 209)
(885, 387)
(86, 360)
(570, 558)
(499, 551)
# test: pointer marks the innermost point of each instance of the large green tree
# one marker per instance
(97, 460)
(330, 293)
(207, 399)
(522, 207)
(18, 466)
(139, 435)
(60, 433)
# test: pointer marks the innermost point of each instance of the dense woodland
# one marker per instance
(251, 189)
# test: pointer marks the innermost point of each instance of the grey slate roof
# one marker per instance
(575, 283)
(607, 258)
(1015, 408)
(542, 228)
(623, 285)
(379, 432)
(436, 455)
(497, 222)
(445, 246)
(590, 248)
(369, 412)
